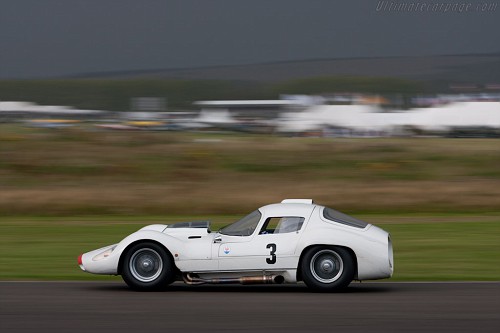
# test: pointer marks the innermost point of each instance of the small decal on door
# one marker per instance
(226, 249)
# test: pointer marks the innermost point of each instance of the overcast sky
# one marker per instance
(49, 38)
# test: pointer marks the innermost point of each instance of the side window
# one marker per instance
(244, 227)
(282, 225)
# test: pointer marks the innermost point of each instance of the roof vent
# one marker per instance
(298, 201)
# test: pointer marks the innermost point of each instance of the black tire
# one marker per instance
(147, 266)
(327, 268)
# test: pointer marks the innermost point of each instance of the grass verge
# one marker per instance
(80, 171)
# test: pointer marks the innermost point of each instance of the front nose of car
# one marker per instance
(80, 262)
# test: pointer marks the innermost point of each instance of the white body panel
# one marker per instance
(197, 250)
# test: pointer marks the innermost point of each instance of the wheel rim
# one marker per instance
(146, 265)
(326, 266)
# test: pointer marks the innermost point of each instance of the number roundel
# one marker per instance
(272, 253)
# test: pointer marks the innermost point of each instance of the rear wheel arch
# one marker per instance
(306, 249)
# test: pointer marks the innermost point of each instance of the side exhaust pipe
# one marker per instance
(264, 279)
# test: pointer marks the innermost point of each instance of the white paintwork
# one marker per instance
(196, 250)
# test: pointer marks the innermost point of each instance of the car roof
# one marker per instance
(288, 209)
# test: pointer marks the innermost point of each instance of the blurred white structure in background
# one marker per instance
(48, 116)
(356, 117)
(461, 114)
(372, 118)
(21, 108)
(296, 114)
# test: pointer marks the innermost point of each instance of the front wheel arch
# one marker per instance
(123, 255)
(125, 250)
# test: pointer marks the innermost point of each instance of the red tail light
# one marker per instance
(80, 259)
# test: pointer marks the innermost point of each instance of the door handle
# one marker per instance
(217, 239)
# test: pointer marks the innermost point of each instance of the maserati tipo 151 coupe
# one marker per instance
(295, 240)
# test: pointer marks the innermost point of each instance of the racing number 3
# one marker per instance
(272, 252)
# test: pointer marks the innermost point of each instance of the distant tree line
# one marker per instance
(115, 95)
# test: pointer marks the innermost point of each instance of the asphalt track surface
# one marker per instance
(366, 307)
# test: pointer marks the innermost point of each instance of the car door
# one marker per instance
(270, 246)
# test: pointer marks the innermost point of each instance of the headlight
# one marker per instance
(104, 255)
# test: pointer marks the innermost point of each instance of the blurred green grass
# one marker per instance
(446, 251)
(447, 247)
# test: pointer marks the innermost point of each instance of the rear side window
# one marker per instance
(282, 225)
(336, 216)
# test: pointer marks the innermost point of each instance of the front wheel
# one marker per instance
(327, 268)
(147, 266)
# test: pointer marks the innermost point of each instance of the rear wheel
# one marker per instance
(147, 266)
(327, 268)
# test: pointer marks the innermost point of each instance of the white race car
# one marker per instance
(295, 240)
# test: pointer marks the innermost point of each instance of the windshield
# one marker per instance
(243, 227)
